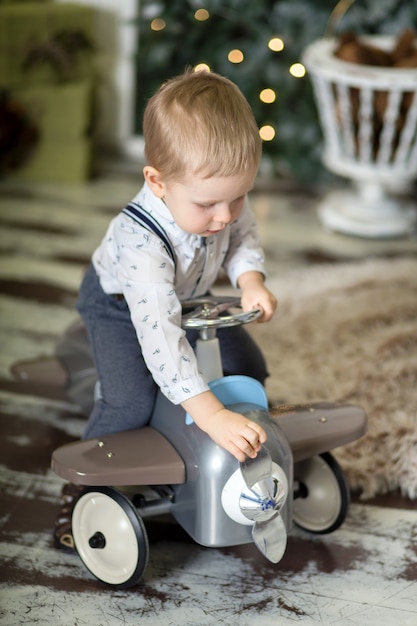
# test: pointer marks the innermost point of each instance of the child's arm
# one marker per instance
(256, 295)
(232, 431)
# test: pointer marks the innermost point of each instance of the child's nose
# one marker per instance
(223, 213)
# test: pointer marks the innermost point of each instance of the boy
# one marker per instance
(202, 149)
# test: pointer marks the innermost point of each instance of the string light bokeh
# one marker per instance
(275, 44)
(259, 45)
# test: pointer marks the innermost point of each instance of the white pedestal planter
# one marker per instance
(381, 162)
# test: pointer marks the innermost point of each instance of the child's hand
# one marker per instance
(255, 295)
(232, 431)
(235, 433)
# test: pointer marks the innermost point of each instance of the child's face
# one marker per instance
(204, 206)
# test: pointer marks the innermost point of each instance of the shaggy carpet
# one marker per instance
(349, 333)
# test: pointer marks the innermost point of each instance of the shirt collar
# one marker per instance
(157, 207)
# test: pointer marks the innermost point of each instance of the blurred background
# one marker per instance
(75, 77)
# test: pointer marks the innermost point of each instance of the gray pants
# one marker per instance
(128, 391)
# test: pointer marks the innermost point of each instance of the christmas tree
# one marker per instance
(259, 45)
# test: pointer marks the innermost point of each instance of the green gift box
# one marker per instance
(45, 42)
(62, 116)
(58, 111)
(53, 160)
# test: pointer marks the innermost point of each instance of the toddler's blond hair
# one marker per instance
(200, 123)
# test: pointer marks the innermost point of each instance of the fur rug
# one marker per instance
(349, 333)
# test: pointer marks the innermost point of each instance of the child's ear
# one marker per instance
(153, 178)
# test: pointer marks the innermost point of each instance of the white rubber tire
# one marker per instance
(110, 537)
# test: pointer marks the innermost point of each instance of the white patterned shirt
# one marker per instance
(133, 260)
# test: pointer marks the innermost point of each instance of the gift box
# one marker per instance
(58, 111)
(61, 115)
(45, 42)
(56, 160)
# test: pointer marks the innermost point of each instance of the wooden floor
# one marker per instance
(364, 574)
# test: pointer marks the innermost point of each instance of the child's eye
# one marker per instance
(204, 206)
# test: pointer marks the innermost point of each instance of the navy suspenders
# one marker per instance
(145, 219)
